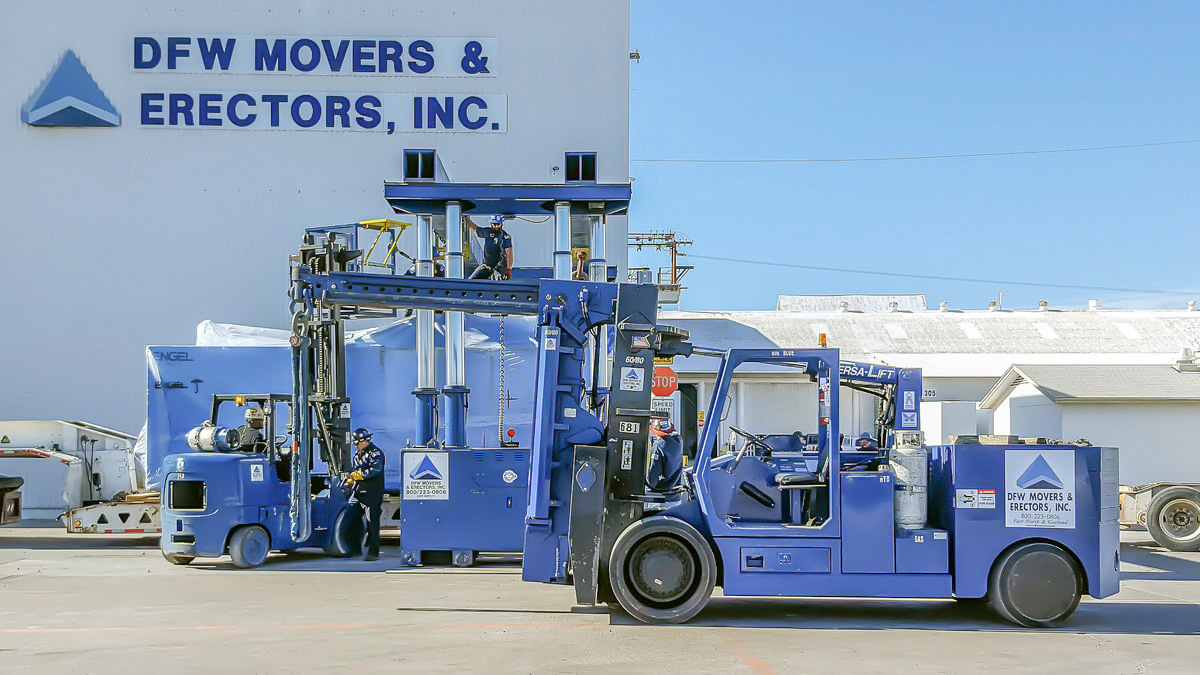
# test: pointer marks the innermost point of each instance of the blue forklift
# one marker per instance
(1029, 528)
(234, 495)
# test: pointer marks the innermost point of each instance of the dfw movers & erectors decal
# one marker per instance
(426, 475)
(392, 108)
(1039, 488)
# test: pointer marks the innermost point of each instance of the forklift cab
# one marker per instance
(774, 480)
(260, 431)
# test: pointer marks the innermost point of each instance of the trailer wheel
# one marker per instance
(1035, 584)
(249, 546)
(346, 535)
(178, 558)
(662, 570)
(1174, 519)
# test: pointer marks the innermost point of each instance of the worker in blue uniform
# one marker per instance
(366, 478)
(866, 443)
(497, 250)
(666, 457)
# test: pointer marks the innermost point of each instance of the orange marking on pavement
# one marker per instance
(751, 661)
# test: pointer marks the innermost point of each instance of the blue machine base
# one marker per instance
(477, 506)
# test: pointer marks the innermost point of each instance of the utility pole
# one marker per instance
(669, 287)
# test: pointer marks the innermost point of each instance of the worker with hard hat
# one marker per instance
(666, 457)
(497, 250)
(366, 481)
(866, 443)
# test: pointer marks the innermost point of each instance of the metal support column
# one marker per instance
(454, 394)
(426, 391)
(598, 271)
(562, 240)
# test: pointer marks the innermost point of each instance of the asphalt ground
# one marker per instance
(111, 604)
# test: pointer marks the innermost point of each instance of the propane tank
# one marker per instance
(209, 438)
(909, 461)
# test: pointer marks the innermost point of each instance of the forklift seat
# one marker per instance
(797, 479)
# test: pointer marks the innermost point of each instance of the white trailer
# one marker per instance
(79, 472)
(1169, 511)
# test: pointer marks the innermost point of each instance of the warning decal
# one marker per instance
(1039, 488)
(425, 475)
(633, 379)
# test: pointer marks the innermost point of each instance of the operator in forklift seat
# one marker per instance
(666, 457)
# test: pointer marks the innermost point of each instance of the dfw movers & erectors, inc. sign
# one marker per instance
(388, 111)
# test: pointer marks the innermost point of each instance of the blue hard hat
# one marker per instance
(867, 435)
(361, 434)
(496, 219)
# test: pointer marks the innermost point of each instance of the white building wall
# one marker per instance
(942, 419)
(1027, 412)
(115, 238)
(1157, 441)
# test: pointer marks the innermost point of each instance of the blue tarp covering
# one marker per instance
(380, 375)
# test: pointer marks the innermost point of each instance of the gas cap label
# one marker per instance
(1039, 488)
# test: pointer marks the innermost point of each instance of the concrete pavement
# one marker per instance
(78, 603)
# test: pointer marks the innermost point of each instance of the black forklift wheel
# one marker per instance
(1174, 519)
(1035, 584)
(249, 546)
(662, 570)
(345, 539)
(178, 558)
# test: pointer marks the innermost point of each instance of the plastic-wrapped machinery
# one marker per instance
(909, 461)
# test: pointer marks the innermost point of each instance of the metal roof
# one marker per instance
(1106, 383)
(853, 303)
(973, 343)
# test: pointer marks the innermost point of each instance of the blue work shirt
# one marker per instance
(666, 463)
(495, 242)
(369, 461)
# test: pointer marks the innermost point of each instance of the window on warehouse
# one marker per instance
(581, 167)
(418, 165)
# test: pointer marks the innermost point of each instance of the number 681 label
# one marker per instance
(628, 427)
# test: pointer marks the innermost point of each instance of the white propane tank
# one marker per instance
(909, 461)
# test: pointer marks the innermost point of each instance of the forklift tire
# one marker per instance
(1035, 584)
(249, 546)
(662, 570)
(345, 538)
(178, 558)
(1174, 519)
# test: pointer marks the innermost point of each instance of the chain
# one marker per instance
(500, 426)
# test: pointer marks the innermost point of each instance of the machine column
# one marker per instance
(426, 391)
(562, 240)
(455, 391)
(598, 271)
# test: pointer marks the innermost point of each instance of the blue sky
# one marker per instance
(880, 79)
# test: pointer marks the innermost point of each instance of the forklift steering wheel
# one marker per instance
(751, 439)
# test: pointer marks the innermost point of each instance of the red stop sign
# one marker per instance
(665, 381)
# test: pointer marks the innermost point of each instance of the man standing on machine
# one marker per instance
(497, 250)
(666, 457)
(367, 481)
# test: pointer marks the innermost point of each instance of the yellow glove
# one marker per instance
(356, 476)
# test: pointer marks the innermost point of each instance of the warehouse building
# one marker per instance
(965, 356)
(163, 158)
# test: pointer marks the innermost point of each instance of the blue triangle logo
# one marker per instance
(426, 470)
(1039, 476)
(69, 97)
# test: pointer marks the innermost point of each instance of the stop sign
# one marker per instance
(665, 381)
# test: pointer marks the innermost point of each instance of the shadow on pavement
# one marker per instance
(1133, 618)
(1167, 565)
